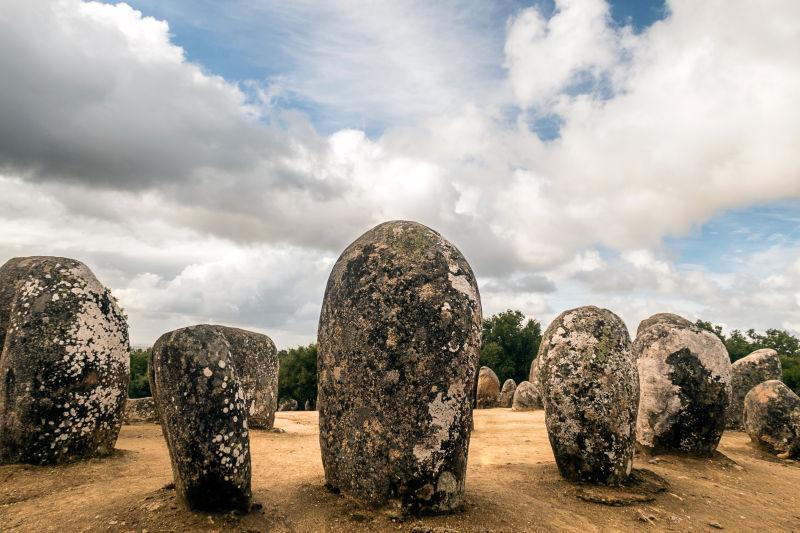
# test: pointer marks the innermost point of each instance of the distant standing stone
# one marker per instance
(746, 373)
(202, 405)
(399, 340)
(685, 382)
(288, 405)
(534, 373)
(590, 390)
(772, 418)
(507, 393)
(140, 411)
(64, 362)
(309, 406)
(526, 397)
(488, 388)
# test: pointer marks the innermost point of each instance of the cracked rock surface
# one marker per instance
(685, 382)
(590, 390)
(772, 418)
(399, 339)
(488, 388)
(64, 362)
(758, 367)
(203, 407)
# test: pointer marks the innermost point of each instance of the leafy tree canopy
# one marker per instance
(509, 344)
(297, 377)
(139, 386)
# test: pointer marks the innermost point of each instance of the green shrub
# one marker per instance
(139, 386)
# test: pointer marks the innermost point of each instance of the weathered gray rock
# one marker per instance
(590, 390)
(203, 407)
(256, 363)
(488, 394)
(288, 405)
(64, 362)
(685, 382)
(140, 411)
(507, 393)
(772, 418)
(746, 373)
(308, 406)
(399, 339)
(526, 397)
(534, 373)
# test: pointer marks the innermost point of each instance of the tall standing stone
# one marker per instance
(488, 388)
(64, 362)
(203, 406)
(758, 367)
(399, 338)
(534, 373)
(685, 382)
(590, 390)
(772, 418)
(507, 393)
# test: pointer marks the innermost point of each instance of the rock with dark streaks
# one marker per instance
(772, 418)
(488, 388)
(399, 339)
(507, 393)
(758, 367)
(526, 397)
(140, 411)
(288, 405)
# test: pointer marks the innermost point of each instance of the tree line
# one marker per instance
(510, 343)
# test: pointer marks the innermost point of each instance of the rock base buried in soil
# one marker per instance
(642, 486)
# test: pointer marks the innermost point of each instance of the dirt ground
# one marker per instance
(512, 485)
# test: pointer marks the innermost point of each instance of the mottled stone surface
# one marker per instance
(140, 410)
(64, 362)
(507, 393)
(399, 339)
(288, 405)
(772, 418)
(526, 397)
(256, 363)
(685, 382)
(746, 373)
(590, 390)
(488, 394)
(309, 406)
(534, 373)
(203, 409)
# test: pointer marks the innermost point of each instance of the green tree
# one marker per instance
(297, 377)
(738, 345)
(139, 386)
(509, 344)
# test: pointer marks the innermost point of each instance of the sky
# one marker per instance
(210, 161)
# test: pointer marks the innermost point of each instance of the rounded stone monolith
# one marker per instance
(758, 367)
(685, 383)
(202, 406)
(590, 390)
(488, 393)
(399, 339)
(772, 418)
(140, 411)
(64, 362)
(507, 393)
(526, 397)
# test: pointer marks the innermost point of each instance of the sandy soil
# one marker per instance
(512, 485)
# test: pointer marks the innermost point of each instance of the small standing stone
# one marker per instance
(140, 411)
(772, 418)
(685, 382)
(526, 397)
(507, 393)
(202, 405)
(288, 405)
(309, 406)
(590, 390)
(64, 362)
(758, 367)
(399, 339)
(534, 373)
(488, 388)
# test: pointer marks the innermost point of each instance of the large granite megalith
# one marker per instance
(685, 382)
(488, 392)
(202, 404)
(526, 397)
(399, 339)
(590, 390)
(64, 362)
(772, 418)
(758, 367)
(507, 393)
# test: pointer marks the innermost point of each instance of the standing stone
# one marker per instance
(256, 363)
(685, 382)
(772, 418)
(309, 406)
(590, 390)
(746, 373)
(399, 338)
(534, 373)
(488, 388)
(507, 393)
(526, 397)
(288, 405)
(140, 411)
(64, 362)
(202, 405)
